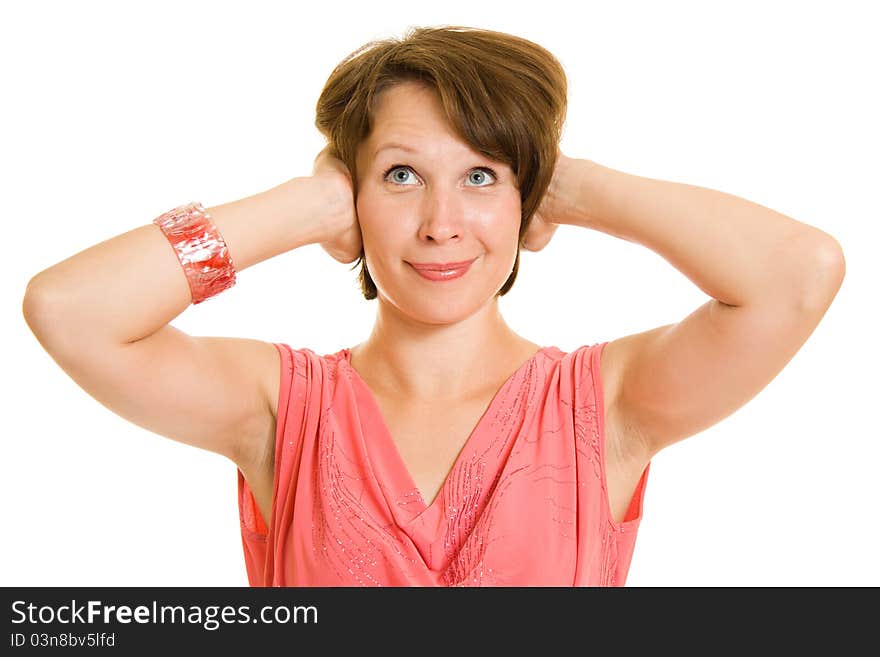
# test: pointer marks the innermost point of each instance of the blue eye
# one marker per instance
(396, 166)
(481, 171)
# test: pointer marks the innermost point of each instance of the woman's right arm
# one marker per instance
(103, 315)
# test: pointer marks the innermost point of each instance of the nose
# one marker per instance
(442, 216)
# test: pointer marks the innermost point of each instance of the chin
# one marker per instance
(439, 309)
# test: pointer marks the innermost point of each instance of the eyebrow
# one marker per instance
(393, 144)
(390, 145)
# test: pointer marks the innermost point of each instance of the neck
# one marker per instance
(436, 362)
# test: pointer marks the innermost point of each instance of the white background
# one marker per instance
(116, 112)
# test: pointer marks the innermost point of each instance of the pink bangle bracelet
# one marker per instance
(200, 248)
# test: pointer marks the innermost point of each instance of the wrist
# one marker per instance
(579, 188)
(305, 207)
(333, 200)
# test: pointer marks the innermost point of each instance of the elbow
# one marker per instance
(36, 308)
(835, 261)
(832, 262)
(33, 308)
(825, 275)
(31, 303)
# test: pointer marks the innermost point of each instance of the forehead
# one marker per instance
(410, 115)
(408, 109)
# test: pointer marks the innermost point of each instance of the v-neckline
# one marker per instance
(404, 484)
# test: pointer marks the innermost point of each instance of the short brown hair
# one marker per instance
(503, 95)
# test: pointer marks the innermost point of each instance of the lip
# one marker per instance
(440, 266)
(442, 271)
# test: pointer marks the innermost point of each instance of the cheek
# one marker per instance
(501, 223)
(369, 213)
(381, 232)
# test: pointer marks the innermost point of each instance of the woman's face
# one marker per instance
(441, 202)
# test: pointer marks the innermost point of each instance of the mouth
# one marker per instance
(445, 271)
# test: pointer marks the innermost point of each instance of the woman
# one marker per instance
(445, 449)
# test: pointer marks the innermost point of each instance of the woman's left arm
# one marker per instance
(771, 279)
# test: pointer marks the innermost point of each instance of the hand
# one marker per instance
(553, 208)
(539, 232)
(343, 240)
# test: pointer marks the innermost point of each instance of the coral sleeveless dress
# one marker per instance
(525, 503)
